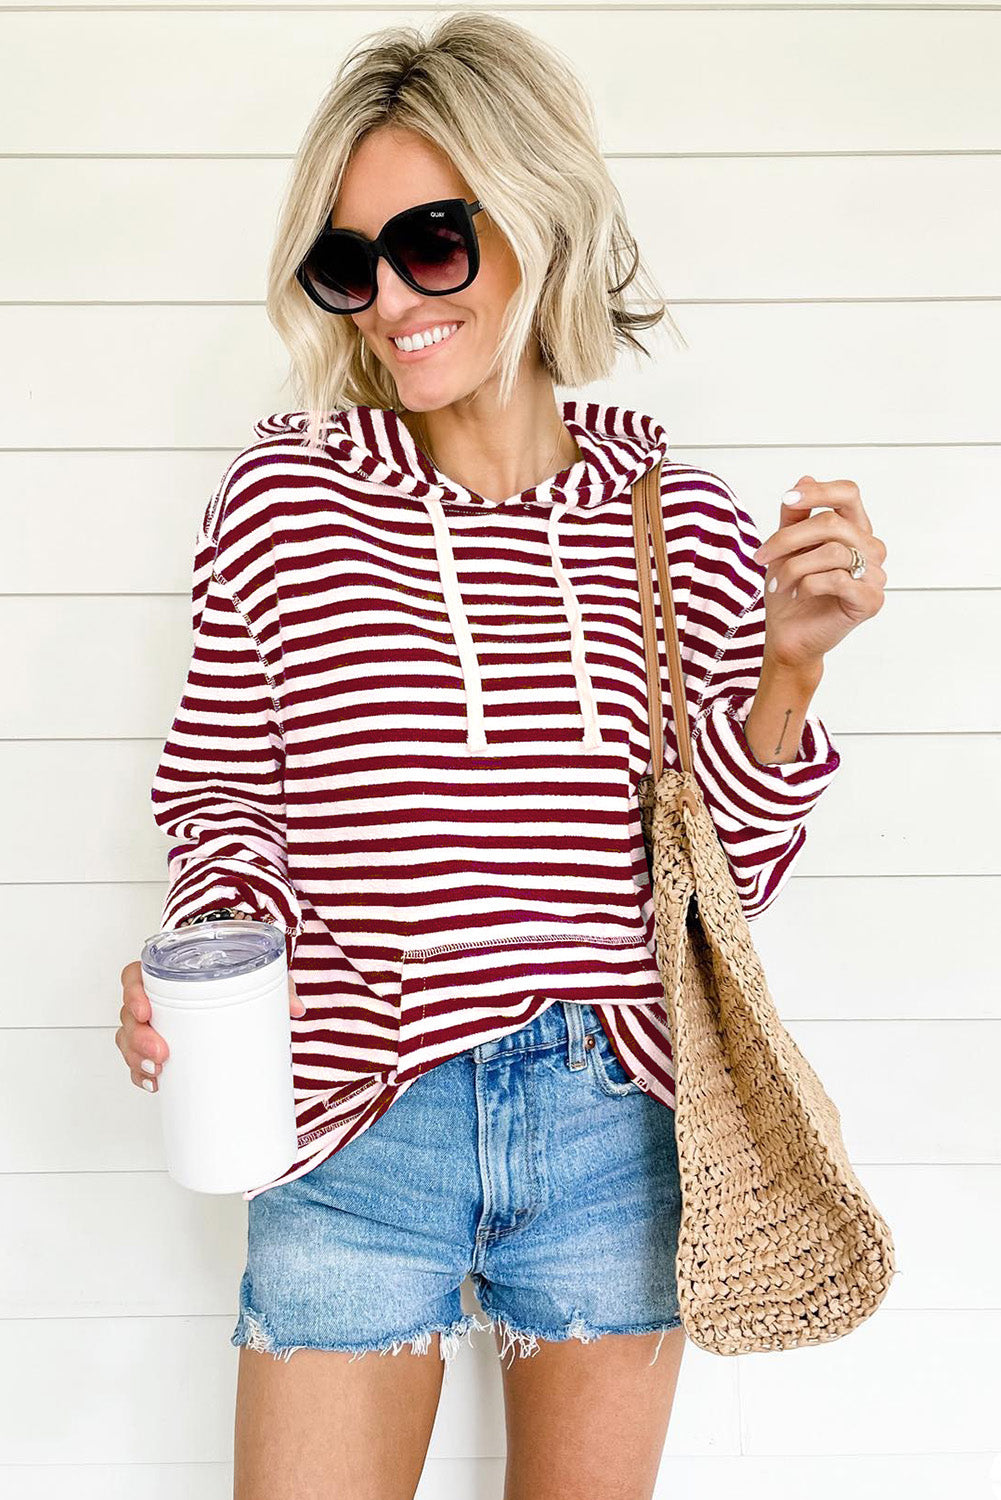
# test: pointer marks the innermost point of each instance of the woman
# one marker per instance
(411, 736)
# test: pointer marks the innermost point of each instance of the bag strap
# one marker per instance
(648, 514)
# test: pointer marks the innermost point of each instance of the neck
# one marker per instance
(492, 452)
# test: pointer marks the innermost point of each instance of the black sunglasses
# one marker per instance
(433, 247)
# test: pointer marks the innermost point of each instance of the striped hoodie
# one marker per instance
(411, 733)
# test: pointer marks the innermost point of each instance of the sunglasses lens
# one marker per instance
(433, 245)
(339, 272)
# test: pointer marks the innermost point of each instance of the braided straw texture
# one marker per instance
(779, 1244)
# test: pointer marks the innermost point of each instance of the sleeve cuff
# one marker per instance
(753, 794)
(202, 887)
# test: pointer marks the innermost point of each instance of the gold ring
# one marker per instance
(858, 563)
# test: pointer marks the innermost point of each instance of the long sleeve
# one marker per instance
(218, 790)
(760, 811)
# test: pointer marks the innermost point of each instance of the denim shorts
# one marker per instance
(532, 1164)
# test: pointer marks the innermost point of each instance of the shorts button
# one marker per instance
(589, 1039)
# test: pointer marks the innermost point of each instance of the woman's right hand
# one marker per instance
(145, 1050)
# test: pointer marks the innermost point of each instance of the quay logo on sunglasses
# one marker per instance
(433, 247)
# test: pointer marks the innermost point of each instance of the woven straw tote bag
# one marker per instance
(779, 1244)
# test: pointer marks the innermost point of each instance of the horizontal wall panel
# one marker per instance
(109, 523)
(910, 1091)
(708, 228)
(103, 925)
(798, 227)
(124, 522)
(78, 810)
(68, 1102)
(902, 373)
(100, 1223)
(112, 666)
(861, 1394)
(925, 1206)
(823, 944)
(829, 950)
(781, 80)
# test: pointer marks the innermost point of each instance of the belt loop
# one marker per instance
(576, 1056)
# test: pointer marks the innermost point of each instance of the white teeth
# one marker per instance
(429, 336)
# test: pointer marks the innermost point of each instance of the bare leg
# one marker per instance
(321, 1425)
(589, 1419)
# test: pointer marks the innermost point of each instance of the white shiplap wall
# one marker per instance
(818, 190)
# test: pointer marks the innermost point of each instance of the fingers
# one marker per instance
(864, 597)
(295, 1006)
(135, 998)
(145, 1052)
(842, 495)
(791, 571)
(825, 526)
(144, 1049)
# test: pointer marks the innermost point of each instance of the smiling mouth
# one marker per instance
(426, 342)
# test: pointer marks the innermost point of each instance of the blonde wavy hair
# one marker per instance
(520, 127)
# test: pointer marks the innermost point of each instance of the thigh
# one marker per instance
(324, 1424)
(562, 1404)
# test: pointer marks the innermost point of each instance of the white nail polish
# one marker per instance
(148, 1084)
(791, 496)
(148, 1065)
(773, 584)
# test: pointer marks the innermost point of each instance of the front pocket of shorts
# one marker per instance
(609, 1073)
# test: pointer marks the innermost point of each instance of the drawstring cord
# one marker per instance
(476, 739)
(585, 689)
(475, 735)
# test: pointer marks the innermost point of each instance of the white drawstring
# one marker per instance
(476, 739)
(475, 734)
(585, 689)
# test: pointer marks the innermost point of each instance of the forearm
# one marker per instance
(774, 725)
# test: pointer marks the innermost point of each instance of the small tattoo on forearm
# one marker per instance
(785, 726)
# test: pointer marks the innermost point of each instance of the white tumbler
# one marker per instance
(219, 997)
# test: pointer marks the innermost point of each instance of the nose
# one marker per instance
(393, 296)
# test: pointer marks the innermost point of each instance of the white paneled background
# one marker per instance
(818, 191)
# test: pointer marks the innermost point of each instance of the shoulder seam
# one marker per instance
(240, 609)
(701, 707)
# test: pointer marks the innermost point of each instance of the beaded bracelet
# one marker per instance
(218, 914)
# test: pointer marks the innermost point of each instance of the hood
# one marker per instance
(617, 445)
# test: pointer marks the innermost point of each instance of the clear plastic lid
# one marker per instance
(212, 950)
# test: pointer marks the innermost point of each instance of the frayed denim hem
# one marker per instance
(525, 1341)
(252, 1333)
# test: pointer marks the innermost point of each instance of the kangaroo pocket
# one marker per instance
(450, 989)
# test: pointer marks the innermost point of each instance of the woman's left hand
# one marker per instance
(811, 600)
